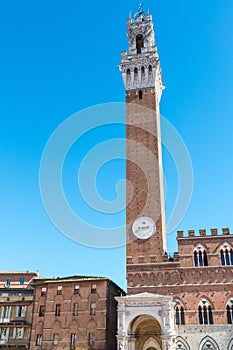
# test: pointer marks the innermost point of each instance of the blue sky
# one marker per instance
(59, 57)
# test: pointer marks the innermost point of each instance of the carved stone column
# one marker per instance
(167, 342)
(121, 343)
(131, 343)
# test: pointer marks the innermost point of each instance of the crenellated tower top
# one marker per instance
(140, 66)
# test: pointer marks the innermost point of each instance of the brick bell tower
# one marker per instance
(145, 218)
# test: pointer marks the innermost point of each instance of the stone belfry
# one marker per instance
(141, 72)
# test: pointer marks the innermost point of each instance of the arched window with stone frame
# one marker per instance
(200, 256)
(150, 74)
(230, 345)
(226, 254)
(181, 344)
(208, 343)
(179, 313)
(205, 312)
(229, 311)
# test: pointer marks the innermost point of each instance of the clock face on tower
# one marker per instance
(143, 227)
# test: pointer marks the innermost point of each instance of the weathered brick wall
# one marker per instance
(212, 244)
(188, 283)
(143, 174)
(111, 321)
(82, 324)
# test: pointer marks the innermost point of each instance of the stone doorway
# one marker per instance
(151, 344)
(146, 331)
(145, 322)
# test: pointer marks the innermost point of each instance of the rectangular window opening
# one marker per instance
(43, 292)
(73, 340)
(8, 282)
(93, 288)
(59, 290)
(92, 309)
(42, 311)
(91, 339)
(76, 289)
(55, 339)
(39, 339)
(58, 310)
(75, 309)
(21, 311)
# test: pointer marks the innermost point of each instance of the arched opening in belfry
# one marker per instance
(147, 332)
(128, 78)
(150, 74)
(143, 75)
(139, 43)
(136, 76)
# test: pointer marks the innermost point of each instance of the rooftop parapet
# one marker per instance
(214, 231)
(191, 233)
(226, 231)
(203, 233)
(180, 234)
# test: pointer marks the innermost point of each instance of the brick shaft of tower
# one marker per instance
(141, 72)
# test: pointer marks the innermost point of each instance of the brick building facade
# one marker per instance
(16, 308)
(75, 313)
